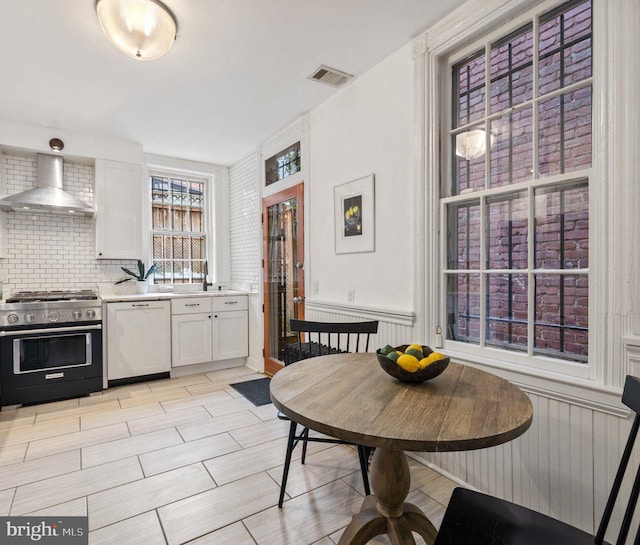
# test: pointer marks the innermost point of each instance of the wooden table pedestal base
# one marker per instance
(386, 512)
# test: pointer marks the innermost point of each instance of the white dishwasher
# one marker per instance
(138, 339)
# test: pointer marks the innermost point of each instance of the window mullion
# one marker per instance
(531, 279)
(482, 270)
(531, 230)
(487, 113)
(534, 102)
(484, 219)
(531, 243)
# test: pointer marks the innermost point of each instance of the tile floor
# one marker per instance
(184, 460)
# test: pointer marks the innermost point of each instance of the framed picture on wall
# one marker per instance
(354, 206)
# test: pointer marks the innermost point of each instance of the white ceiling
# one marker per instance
(235, 75)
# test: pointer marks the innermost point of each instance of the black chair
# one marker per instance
(473, 518)
(320, 339)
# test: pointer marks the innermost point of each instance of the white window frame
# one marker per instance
(217, 220)
(613, 198)
(506, 356)
(206, 212)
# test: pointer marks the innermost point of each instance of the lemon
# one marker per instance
(386, 349)
(408, 363)
(433, 357)
(424, 362)
(393, 356)
(415, 346)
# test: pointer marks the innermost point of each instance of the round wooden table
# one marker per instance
(350, 397)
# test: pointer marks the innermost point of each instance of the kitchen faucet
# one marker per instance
(206, 284)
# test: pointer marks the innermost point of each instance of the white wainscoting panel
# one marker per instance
(562, 466)
(394, 327)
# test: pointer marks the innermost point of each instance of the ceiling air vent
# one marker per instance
(330, 76)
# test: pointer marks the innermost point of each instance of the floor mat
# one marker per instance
(256, 391)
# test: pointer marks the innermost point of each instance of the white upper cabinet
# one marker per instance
(119, 210)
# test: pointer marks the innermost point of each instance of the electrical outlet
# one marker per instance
(315, 286)
(351, 295)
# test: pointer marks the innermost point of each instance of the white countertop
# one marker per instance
(161, 296)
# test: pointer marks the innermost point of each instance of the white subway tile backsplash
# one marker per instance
(244, 208)
(52, 251)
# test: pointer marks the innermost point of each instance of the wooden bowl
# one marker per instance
(430, 371)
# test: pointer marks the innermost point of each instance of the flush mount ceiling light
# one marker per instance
(142, 29)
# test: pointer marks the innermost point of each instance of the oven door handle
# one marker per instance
(50, 330)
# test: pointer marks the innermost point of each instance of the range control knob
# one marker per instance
(53, 316)
(12, 318)
(91, 314)
(29, 317)
(77, 314)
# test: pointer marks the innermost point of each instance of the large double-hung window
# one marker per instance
(179, 234)
(516, 202)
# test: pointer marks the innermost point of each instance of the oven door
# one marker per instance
(51, 350)
(42, 364)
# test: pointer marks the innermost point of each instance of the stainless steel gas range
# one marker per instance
(50, 346)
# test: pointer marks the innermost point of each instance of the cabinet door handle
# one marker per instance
(140, 305)
(193, 305)
(231, 302)
(215, 316)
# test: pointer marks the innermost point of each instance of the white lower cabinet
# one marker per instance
(207, 329)
(230, 335)
(138, 339)
(191, 340)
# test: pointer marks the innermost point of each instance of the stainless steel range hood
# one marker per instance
(48, 196)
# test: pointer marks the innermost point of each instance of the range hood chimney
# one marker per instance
(48, 195)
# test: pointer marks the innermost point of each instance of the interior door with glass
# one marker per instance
(283, 231)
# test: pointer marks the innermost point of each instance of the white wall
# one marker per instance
(365, 128)
(245, 236)
(24, 136)
(244, 223)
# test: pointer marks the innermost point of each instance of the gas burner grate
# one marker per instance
(48, 296)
